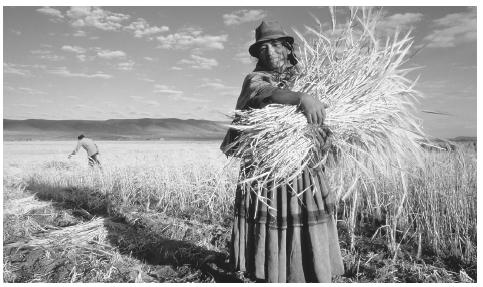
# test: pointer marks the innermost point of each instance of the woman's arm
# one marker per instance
(313, 109)
(259, 90)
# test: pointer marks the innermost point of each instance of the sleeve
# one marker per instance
(76, 148)
(256, 90)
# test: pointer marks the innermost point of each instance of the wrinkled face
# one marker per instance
(273, 55)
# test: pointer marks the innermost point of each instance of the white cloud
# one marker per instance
(453, 29)
(24, 90)
(163, 89)
(40, 52)
(64, 72)
(126, 66)
(146, 79)
(15, 70)
(73, 97)
(96, 17)
(399, 21)
(175, 95)
(81, 57)
(50, 57)
(16, 32)
(46, 55)
(140, 28)
(176, 68)
(21, 69)
(220, 87)
(25, 105)
(192, 38)
(31, 91)
(243, 16)
(152, 103)
(51, 12)
(149, 59)
(143, 100)
(198, 62)
(108, 54)
(79, 33)
(244, 58)
(73, 49)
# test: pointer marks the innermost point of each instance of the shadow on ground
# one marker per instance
(149, 237)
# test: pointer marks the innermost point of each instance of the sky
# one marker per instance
(97, 63)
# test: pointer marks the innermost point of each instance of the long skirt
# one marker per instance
(293, 241)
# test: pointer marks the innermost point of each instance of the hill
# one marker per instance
(114, 129)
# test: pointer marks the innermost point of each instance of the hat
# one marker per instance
(267, 31)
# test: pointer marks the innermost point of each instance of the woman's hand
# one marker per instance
(313, 109)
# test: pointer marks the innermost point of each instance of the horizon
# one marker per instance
(189, 62)
(217, 121)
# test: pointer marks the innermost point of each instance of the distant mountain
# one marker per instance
(463, 139)
(115, 129)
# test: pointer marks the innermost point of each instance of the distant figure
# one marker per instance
(91, 149)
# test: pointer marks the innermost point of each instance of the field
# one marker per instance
(161, 212)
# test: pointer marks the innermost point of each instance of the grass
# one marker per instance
(161, 209)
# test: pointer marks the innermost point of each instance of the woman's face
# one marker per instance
(273, 55)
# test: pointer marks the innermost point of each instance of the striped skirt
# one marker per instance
(293, 241)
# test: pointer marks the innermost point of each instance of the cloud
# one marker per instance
(188, 99)
(44, 54)
(146, 79)
(96, 17)
(149, 59)
(201, 63)
(81, 57)
(50, 57)
(140, 28)
(51, 12)
(40, 52)
(175, 95)
(25, 105)
(453, 29)
(21, 69)
(79, 33)
(192, 38)
(73, 49)
(244, 58)
(143, 100)
(16, 32)
(126, 66)
(108, 54)
(163, 89)
(243, 16)
(64, 72)
(24, 90)
(15, 70)
(399, 21)
(220, 87)
(73, 97)
(152, 103)
(176, 68)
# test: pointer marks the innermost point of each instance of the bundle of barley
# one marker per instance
(370, 110)
(89, 236)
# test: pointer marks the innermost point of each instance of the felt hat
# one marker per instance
(267, 31)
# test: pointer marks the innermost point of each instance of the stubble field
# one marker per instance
(161, 212)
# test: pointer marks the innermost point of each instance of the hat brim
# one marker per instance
(253, 50)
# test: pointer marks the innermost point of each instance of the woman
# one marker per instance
(296, 240)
